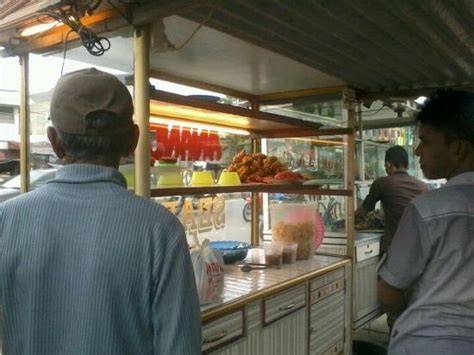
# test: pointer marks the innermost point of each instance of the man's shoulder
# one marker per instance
(403, 181)
(417, 181)
(438, 201)
(405, 176)
(385, 181)
(144, 205)
(380, 181)
(22, 200)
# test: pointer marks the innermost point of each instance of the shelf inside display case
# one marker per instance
(169, 105)
(289, 189)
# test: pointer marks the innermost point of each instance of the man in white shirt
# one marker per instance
(429, 271)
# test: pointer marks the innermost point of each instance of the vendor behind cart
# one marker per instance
(394, 191)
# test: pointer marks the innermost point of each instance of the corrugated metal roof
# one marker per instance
(372, 45)
(381, 47)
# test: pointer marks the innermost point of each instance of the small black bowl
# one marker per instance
(366, 348)
(231, 250)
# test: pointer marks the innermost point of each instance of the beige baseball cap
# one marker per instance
(82, 92)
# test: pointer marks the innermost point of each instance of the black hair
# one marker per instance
(450, 112)
(397, 156)
(109, 143)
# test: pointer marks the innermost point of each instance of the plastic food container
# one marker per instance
(229, 178)
(169, 174)
(294, 223)
(170, 178)
(128, 172)
(273, 254)
(288, 254)
(202, 178)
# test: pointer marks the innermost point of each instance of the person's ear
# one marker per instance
(56, 142)
(462, 149)
(134, 135)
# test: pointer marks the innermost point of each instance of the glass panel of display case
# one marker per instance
(374, 157)
(188, 148)
(200, 94)
(374, 161)
(320, 160)
(377, 141)
(403, 136)
(211, 216)
(330, 219)
(327, 113)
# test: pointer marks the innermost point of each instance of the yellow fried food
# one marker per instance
(243, 170)
(247, 160)
(238, 157)
(254, 167)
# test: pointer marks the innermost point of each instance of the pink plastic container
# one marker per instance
(294, 223)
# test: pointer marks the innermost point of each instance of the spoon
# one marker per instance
(243, 262)
(248, 268)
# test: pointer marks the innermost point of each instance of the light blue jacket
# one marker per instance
(86, 267)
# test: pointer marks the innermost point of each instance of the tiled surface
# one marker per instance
(375, 332)
(238, 285)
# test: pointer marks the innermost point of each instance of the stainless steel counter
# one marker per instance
(366, 235)
(241, 288)
(367, 253)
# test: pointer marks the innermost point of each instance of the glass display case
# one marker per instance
(326, 112)
(319, 157)
(374, 144)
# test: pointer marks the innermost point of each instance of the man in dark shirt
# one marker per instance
(394, 191)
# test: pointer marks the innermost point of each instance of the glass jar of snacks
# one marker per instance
(294, 223)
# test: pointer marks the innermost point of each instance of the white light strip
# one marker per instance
(182, 123)
(30, 31)
(322, 141)
(421, 100)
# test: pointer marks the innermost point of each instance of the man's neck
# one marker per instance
(399, 171)
(461, 169)
(102, 162)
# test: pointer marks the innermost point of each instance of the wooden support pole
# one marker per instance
(24, 124)
(142, 109)
(361, 160)
(348, 115)
(255, 227)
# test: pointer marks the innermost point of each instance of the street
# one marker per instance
(235, 228)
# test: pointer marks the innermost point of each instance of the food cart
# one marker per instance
(302, 69)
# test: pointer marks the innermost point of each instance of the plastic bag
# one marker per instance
(208, 267)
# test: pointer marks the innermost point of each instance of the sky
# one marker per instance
(45, 71)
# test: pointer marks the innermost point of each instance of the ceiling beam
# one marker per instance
(403, 94)
(387, 123)
(200, 85)
(22, 11)
(297, 94)
(104, 21)
(153, 11)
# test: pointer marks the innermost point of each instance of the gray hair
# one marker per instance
(105, 146)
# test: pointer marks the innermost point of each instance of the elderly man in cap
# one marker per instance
(86, 267)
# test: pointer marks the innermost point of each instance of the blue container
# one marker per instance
(231, 250)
